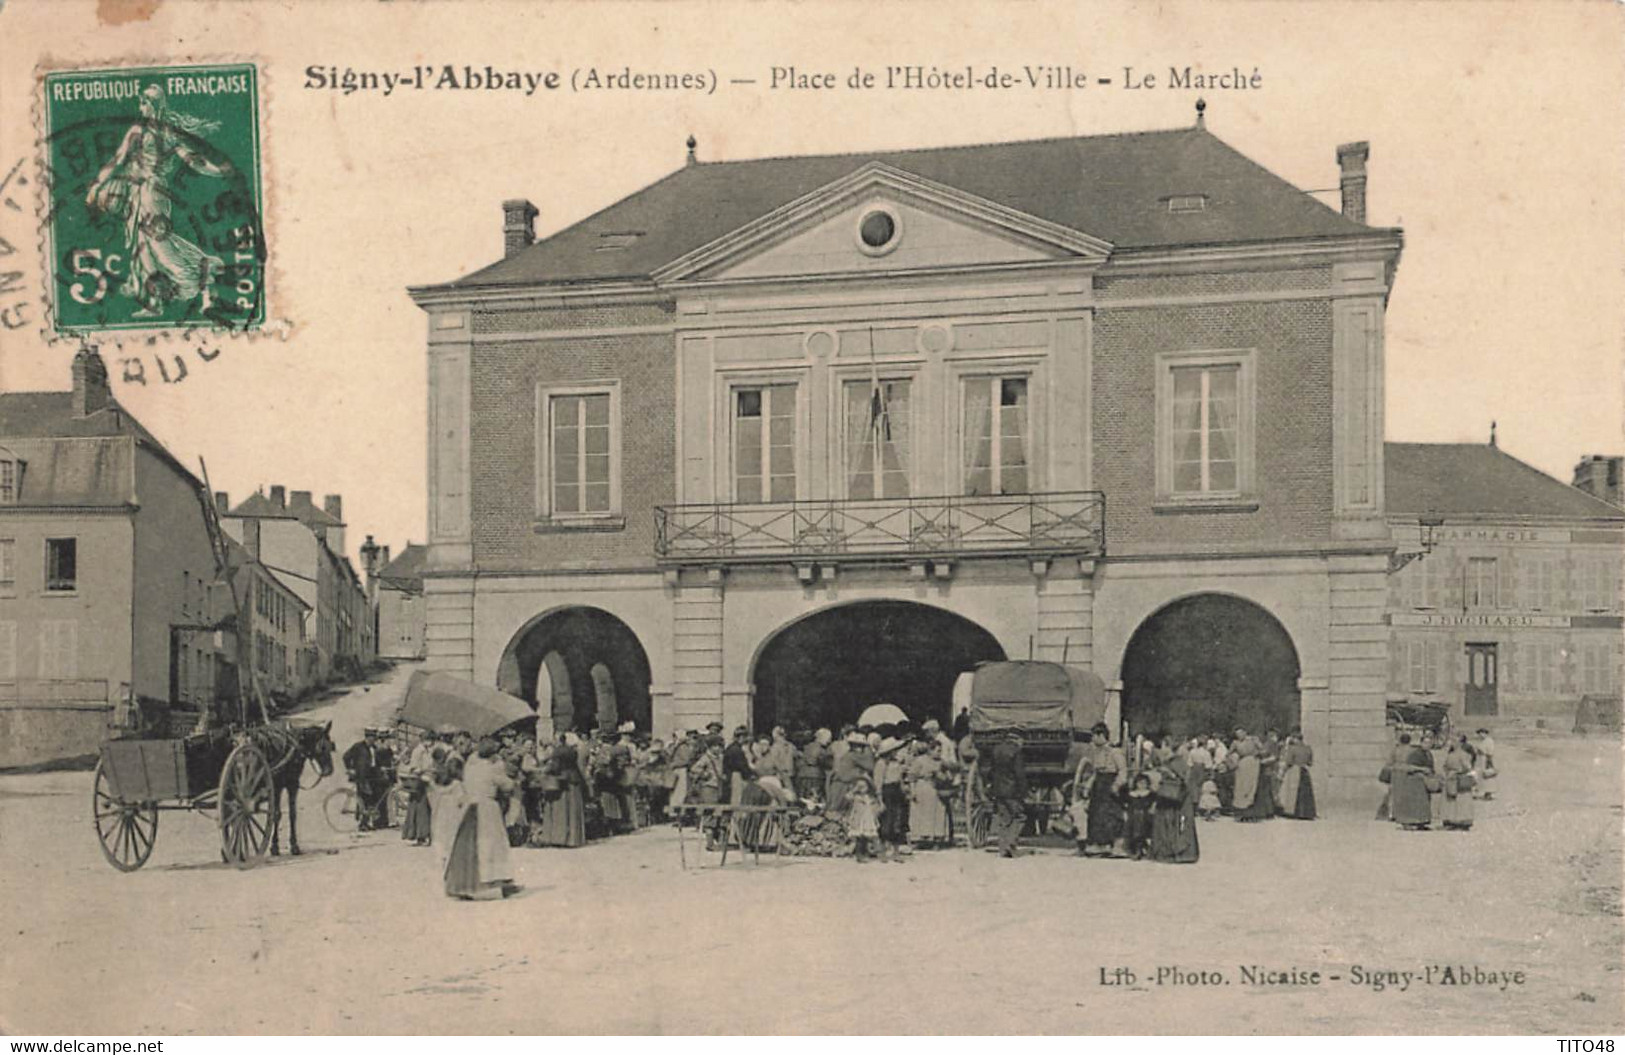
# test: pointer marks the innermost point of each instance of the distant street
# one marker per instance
(356, 936)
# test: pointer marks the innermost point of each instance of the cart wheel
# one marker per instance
(342, 810)
(245, 806)
(400, 799)
(126, 830)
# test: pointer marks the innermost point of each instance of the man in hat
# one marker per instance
(365, 763)
(736, 766)
(1007, 787)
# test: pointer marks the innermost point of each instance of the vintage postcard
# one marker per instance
(787, 519)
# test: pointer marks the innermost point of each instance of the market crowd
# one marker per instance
(883, 792)
(1435, 775)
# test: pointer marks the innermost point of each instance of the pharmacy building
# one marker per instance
(773, 440)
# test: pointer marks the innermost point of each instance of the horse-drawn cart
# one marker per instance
(1046, 706)
(138, 779)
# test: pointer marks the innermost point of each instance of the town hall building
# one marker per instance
(772, 440)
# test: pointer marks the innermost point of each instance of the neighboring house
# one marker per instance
(303, 545)
(397, 589)
(772, 440)
(105, 572)
(1515, 612)
(276, 616)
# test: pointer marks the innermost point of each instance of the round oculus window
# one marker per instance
(877, 229)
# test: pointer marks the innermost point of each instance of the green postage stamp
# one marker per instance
(154, 201)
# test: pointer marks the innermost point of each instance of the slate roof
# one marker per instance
(258, 506)
(1475, 479)
(1113, 187)
(92, 471)
(405, 572)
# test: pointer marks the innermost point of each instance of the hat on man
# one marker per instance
(627, 727)
(931, 726)
(856, 739)
(888, 745)
(713, 727)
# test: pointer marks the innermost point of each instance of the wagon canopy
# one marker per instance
(1035, 695)
(435, 700)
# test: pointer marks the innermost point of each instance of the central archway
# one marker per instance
(1210, 663)
(824, 669)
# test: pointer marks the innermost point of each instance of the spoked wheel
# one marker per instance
(981, 824)
(126, 830)
(342, 808)
(245, 806)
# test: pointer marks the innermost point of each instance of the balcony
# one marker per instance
(1057, 523)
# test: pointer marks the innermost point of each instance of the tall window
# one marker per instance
(995, 436)
(1597, 669)
(765, 443)
(61, 564)
(1601, 583)
(1540, 583)
(1482, 589)
(8, 564)
(879, 441)
(579, 433)
(1205, 426)
(1205, 429)
(8, 479)
(1421, 583)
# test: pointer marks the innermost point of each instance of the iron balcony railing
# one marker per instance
(944, 526)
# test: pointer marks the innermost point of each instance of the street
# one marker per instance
(356, 936)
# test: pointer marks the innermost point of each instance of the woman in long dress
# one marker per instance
(1252, 799)
(1297, 795)
(1173, 827)
(1410, 805)
(1104, 772)
(479, 867)
(927, 814)
(1456, 803)
(564, 810)
(446, 802)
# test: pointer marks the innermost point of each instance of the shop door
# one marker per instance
(1482, 678)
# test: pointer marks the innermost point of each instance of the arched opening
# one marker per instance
(1210, 663)
(823, 670)
(584, 664)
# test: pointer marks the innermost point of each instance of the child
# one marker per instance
(1140, 804)
(862, 818)
(1209, 805)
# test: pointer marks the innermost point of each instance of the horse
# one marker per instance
(291, 748)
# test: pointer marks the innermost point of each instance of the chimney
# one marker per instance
(1599, 475)
(384, 563)
(300, 498)
(1351, 159)
(279, 496)
(333, 506)
(222, 504)
(518, 225)
(90, 390)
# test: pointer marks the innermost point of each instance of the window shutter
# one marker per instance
(1509, 581)
(8, 650)
(1450, 597)
(1396, 664)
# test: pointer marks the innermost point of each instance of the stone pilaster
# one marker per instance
(1356, 716)
(696, 689)
(449, 630)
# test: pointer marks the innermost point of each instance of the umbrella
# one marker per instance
(882, 714)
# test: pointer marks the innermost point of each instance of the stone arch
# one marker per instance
(1210, 662)
(825, 667)
(565, 647)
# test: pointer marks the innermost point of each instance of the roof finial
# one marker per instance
(1201, 113)
(692, 143)
(1492, 434)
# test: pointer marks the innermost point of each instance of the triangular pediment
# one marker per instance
(880, 219)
